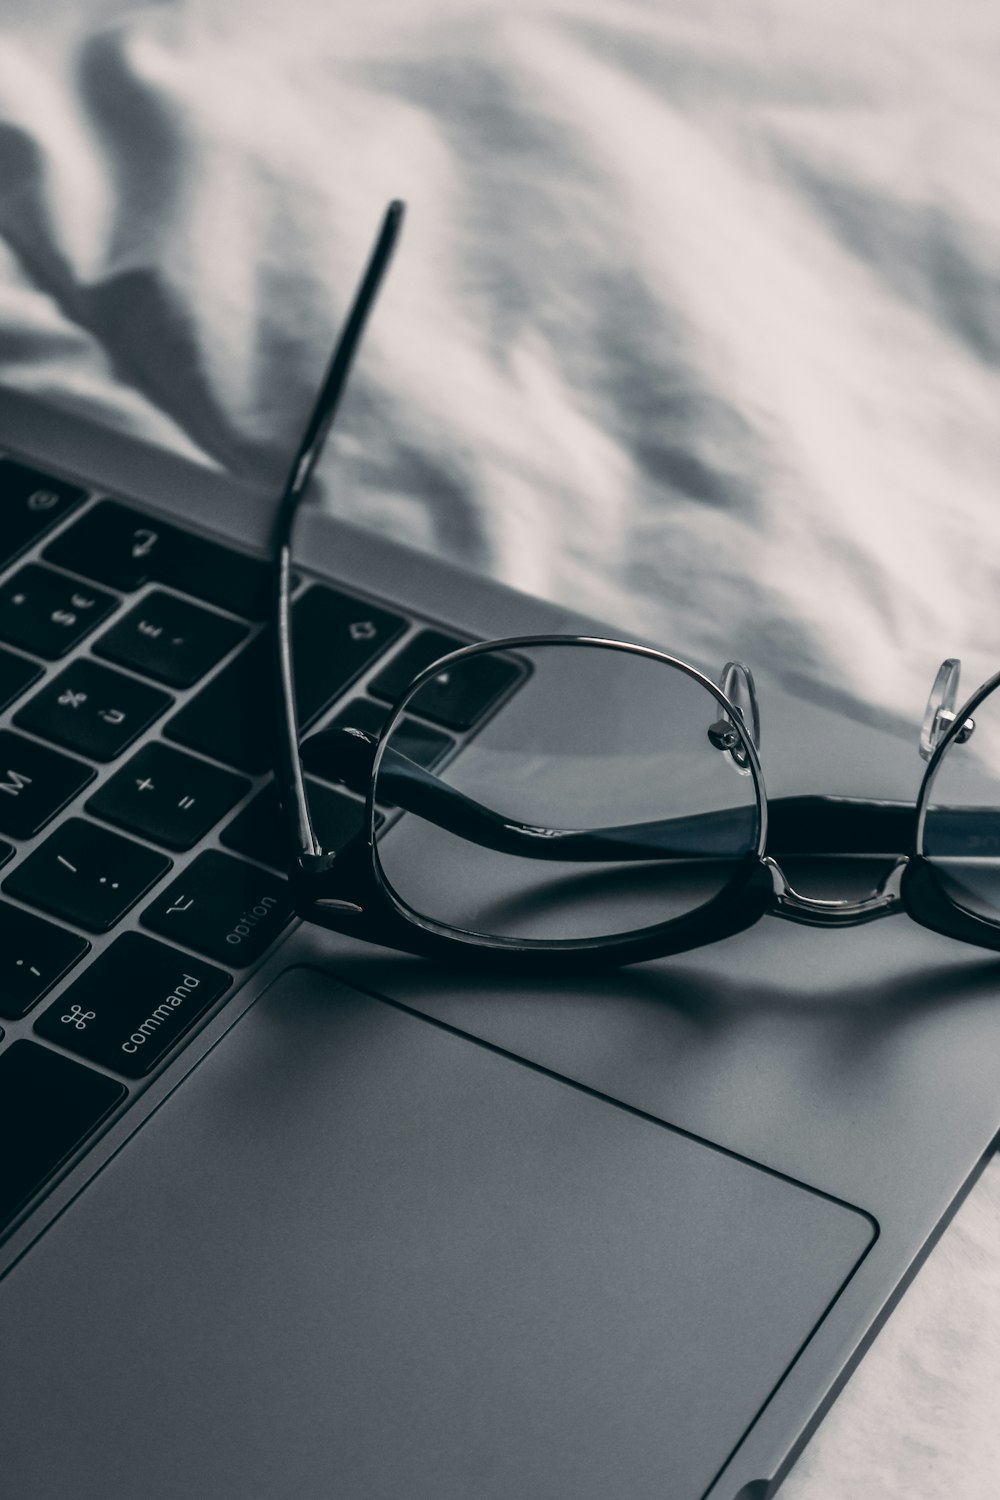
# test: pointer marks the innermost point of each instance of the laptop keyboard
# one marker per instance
(135, 754)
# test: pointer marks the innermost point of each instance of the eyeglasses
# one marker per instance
(606, 804)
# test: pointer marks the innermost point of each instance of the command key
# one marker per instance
(132, 1004)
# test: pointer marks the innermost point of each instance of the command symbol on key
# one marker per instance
(78, 1017)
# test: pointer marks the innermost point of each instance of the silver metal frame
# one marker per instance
(749, 759)
(788, 902)
(941, 726)
(952, 728)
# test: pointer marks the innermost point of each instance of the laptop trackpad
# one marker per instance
(356, 1254)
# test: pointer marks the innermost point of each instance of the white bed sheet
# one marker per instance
(696, 326)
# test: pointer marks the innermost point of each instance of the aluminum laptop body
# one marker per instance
(377, 1228)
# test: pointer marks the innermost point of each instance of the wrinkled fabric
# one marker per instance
(696, 321)
(695, 324)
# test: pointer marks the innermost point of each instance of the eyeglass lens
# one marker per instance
(596, 803)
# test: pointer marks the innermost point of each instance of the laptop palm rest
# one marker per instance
(357, 1254)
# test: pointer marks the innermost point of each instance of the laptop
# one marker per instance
(289, 1215)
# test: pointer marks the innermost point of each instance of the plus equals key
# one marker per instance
(168, 796)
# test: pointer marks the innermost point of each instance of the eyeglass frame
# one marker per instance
(347, 892)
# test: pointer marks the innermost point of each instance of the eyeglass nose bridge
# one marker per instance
(814, 911)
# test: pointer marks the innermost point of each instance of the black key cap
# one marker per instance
(47, 613)
(86, 874)
(6, 850)
(420, 742)
(16, 673)
(113, 544)
(169, 639)
(260, 831)
(48, 1107)
(232, 717)
(132, 1004)
(425, 647)
(456, 699)
(126, 549)
(92, 709)
(35, 782)
(30, 503)
(335, 637)
(217, 574)
(33, 956)
(361, 713)
(225, 908)
(168, 796)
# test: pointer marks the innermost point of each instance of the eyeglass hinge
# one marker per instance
(314, 864)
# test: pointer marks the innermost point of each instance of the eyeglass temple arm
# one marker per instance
(796, 825)
(291, 782)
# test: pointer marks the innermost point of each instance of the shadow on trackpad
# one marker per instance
(356, 1254)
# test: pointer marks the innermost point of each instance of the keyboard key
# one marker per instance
(425, 647)
(35, 782)
(6, 852)
(222, 907)
(335, 637)
(124, 548)
(456, 699)
(217, 574)
(420, 742)
(232, 717)
(132, 1004)
(48, 1107)
(16, 674)
(169, 639)
(361, 713)
(168, 796)
(260, 832)
(86, 874)
(45, 612)
(113, 544)
(92, 709)
(34, 955)
(30, 503)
